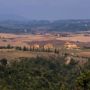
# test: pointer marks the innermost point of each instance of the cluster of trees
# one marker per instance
(44, 74)
(86, 47)
(30, 49)
(6, 47)
(38, 49)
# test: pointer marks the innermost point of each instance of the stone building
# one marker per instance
(69, 45)
(35, 46)
(48, 46)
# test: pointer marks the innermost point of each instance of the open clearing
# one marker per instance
(12, 54)
(84, 54)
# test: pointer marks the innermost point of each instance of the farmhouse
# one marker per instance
(69, 45)
(48, 46)
(35, 46)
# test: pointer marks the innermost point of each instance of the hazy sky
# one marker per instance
(47, 9)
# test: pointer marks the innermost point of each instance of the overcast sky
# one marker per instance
(47, 9)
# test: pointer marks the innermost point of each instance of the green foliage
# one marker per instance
(18, 48)
(6, 47)
(56, 51)
(42, 74)
(9, 46)
(83, 81)
(25, 48)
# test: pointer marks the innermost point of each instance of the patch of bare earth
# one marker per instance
(80, 38)
(84, 54)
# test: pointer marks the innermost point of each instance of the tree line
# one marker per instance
(24, 48)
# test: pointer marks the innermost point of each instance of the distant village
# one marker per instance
(67, 45)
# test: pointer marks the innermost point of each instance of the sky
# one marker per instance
(46, 9)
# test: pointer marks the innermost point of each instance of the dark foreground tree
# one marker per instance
(43, 74)
(83, 81)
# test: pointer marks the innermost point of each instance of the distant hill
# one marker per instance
(13, 17)
(16, 24)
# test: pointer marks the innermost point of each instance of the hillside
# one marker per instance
(43, 74)
(42, 26)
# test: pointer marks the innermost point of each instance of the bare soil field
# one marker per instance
(20, 40)
(80, 38)
(25, 40)
(84, 54)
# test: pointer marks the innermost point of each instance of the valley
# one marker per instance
(78, 43)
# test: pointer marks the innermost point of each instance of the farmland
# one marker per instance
(22, 39)
(31, 39)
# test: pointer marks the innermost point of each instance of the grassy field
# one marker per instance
(12, 54)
